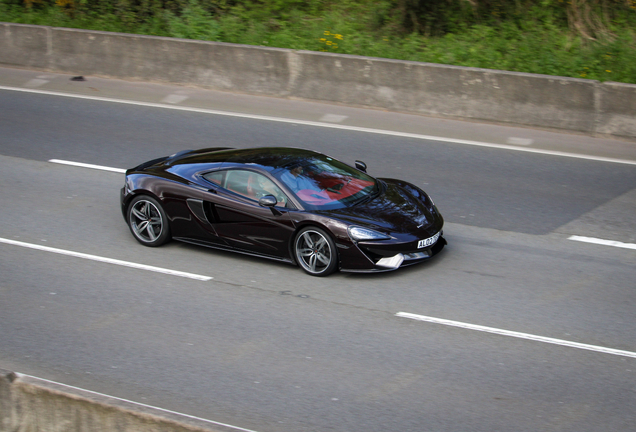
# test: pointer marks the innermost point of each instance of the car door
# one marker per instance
(240, 221)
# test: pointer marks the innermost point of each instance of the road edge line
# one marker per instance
(330, 126)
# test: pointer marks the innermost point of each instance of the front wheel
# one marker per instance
(315, 252)
(148, 221)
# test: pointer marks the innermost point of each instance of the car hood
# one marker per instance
(399, 208)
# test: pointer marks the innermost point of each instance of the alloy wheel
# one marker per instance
(146, 221)
(315, 252)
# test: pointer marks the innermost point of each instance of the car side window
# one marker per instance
(253, 185)
(215, 177)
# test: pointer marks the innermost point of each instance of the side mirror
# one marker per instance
(267, 201)
(361, 166)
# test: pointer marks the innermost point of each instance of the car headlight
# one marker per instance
(358, 233)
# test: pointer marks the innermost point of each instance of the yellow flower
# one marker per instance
(329, 42)
(339, 36)
(327, 32)
(322, 39)
(608, 71)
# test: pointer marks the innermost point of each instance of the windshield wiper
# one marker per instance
(366, 198)
(380, 186)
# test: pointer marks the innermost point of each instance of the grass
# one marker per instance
(534, 44)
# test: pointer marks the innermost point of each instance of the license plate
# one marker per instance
(428, 242)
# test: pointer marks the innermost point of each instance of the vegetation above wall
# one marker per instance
(593, 39)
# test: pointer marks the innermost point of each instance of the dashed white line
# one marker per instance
(333, 118)
(19, 375)
(331, 126)
(603, 242)
(515, 334)
(36, 82)
(174, 99)
(574, 237)
(85, 165)
(106, 260)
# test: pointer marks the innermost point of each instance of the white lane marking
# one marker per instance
(603, 242)
(331, 126)
(20, 375)
(174, 99)
(106, 260)
(333, 118)
(517, 334)
(36, 82)
(85, 165)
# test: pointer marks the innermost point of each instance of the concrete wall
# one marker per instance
(431, 89)
(32, 405)
(449, 91)
(617, 109)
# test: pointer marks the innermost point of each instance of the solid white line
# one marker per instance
(85, 165)
(517, 334)
(603, 242)
(20, 375)
(331, 126)
(106, 260)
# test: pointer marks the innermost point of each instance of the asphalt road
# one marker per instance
(264, 347)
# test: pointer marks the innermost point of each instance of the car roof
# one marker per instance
(268, 157)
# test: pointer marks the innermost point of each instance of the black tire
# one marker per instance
(147, 221)
(315, 251)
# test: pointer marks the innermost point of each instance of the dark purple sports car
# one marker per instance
(287, 204)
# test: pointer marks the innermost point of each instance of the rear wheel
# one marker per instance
(315, 252)
(148, 222)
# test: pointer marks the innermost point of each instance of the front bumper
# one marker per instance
(382, 258)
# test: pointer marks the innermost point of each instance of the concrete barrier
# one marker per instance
(33, 405)
(215, 65)
(617, 110)
(449, 91)
(25, 46)
(431, 89)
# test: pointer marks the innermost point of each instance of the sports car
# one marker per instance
(292, 205)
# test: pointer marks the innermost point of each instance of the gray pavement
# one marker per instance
(263, 346)
(195, 97)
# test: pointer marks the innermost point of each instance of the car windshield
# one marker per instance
(323, 183)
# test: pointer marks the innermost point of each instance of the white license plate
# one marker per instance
(428, 242)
